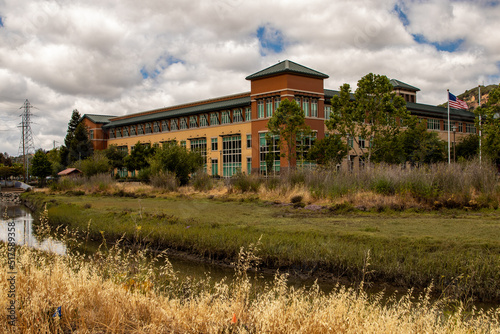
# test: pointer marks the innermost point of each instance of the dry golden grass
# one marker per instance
(118, 292)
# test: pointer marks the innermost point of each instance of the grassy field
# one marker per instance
(456, 251)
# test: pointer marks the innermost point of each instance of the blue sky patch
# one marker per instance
(1, 22)
(448, 46)
(161, 64)
(270, 39)
(401, 15)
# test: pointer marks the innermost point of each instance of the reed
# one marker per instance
(116, 291)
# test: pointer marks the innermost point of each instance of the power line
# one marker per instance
(26, 145)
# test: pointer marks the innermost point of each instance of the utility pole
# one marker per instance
(26, 145)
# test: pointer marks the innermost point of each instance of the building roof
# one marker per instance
(98, 119)
(439, 112)
(402, 85)
(69, 171)
(287, 66)
(239, 101)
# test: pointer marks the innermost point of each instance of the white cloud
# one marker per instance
(88, 55)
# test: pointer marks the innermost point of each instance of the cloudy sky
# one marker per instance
(120, 57)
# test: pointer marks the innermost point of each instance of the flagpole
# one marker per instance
(480, 126)
(449, 151)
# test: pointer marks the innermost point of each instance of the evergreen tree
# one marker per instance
(66, 157)
(138, 158)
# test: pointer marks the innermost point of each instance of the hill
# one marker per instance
(470, 96)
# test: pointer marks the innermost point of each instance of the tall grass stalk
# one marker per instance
(121, 292)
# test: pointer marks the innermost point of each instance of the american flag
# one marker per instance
(456, 103)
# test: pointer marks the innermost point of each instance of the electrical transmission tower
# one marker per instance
(26, 145)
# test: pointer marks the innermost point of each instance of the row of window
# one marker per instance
(266, 107)
(183, 123)
(434, 124)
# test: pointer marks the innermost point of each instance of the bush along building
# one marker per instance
(230, 131)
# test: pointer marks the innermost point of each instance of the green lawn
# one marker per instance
(458, 251)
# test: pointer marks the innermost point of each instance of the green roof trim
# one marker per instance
(287, 66)
(402, 85)
(183, 111)
(439, 112)
(98, 119)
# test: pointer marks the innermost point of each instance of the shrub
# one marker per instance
(245, 183)
(201, 181)
(165, 180)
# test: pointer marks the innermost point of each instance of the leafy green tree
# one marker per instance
(175, 159)
(5, 159)
(369, 117)
(41, 166)
(115, 156)
(54, 157)
(98, 163)
(138, 157)
(328, 151)
(468, 148)
(421, 146)
(288, 122)
(491, 125)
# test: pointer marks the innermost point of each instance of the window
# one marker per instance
(260, 109)
(111, 133)
(132, 130)
(174, 124)
(305, 107)
(214, 118)
(164, 126)
(249, 165)
(314, 108)
(470, 128)
(203, 120)
(460, 127)
(350, 141)
(433, 124)
(248, 114)
(269, 108)
(446, 125)
(225, 117)
(156, 127)
(237, 116)
(91, 134)
(277, 101)
(303, 144)
(183, 123)
(231, 155)
(125, 131)
(269, 145)
(361, 142)
(118, 132)
(249, 141)
(297, 99)
(140, 129)
(215, 167)
(328, 110)
(215, 143)
(193, 122)
(200, 145)
(148, 127)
